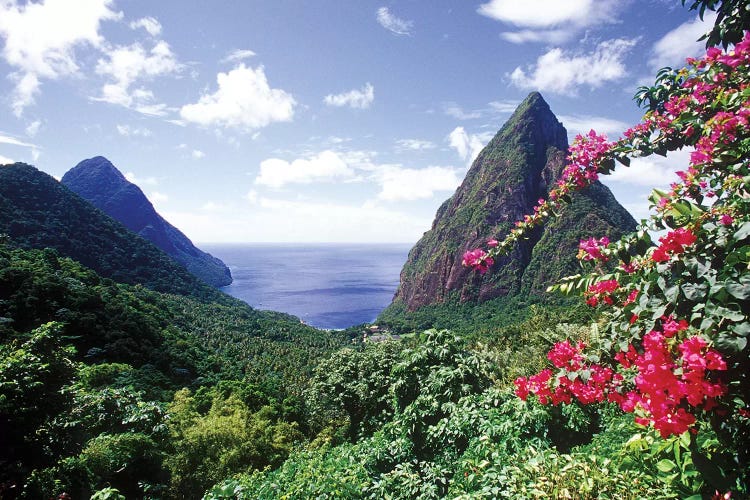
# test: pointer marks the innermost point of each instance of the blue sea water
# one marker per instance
(328, 286)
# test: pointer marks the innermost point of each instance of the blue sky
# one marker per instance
(341, 120)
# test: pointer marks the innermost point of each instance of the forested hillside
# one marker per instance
(36, 211)
(89, 370)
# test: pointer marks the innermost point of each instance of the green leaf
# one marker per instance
(730, 343)
(743, 232)
(666, 465)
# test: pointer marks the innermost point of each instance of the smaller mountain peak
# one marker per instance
(98, 166)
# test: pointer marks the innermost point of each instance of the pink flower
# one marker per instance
(726, 219)
(492, 243)
(478, 259)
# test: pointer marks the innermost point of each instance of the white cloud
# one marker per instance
(128, 65)
(455, 111)
(197, 154)
(131, 177)
(156, 197)
(504, 106)
(252, 196)
(652, 171)
(243, 100)
(561, 72)
(325, 166)
(4, 139)
(394, 24)
(238, 55)
(212, 207)
(151, 25)
(536, 36)
(33, 128)
(549, 21)
(674, 47)
(279, 220)
(414, 144)
(4, 160)
(413, 184)
(41, 39)
(357, 98)
(468, 146)
(128, 131)
(582, 124)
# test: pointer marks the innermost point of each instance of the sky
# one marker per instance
(324, 121)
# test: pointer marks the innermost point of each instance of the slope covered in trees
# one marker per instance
(99, 182)
(518, 167)
(89, 370)
(36, 211)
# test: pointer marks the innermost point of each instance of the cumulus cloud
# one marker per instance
(149, 181)
(325, 166)
(127, 65)
(652, 171)
(681, 42)
(238, 55)
(414, 184)
(468, 146)
(197, 154)
(562, 72)
(357, 98)
(243, 100)
(41, 39)
(549, 21)
(395, 25)
(156, 197)
(151, 25)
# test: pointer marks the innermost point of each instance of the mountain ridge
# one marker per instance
(98, 181)
(37, 211)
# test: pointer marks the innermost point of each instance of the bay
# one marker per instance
(330, 286)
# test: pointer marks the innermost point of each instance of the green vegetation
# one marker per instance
(92, 375)
(115, 390)
(36, 211)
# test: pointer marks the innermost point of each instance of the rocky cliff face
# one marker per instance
(99, 182)
(518, 166)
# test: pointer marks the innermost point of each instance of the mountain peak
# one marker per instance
(98, 181)
(516, 168)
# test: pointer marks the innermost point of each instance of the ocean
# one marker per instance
(328, 286)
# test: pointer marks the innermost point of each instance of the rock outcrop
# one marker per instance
(517, 168)
(99, 182)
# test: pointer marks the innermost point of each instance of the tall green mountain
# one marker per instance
(36, 211)
(517, 168)
(98, 181)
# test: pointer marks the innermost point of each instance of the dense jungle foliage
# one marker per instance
(111, 391)
(105, 383)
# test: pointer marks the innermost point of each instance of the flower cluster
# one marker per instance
(478, 260)
(667, 387)
(654, 365)
(673, 243)
(602, 292)
(589, 383)
(591, 249)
